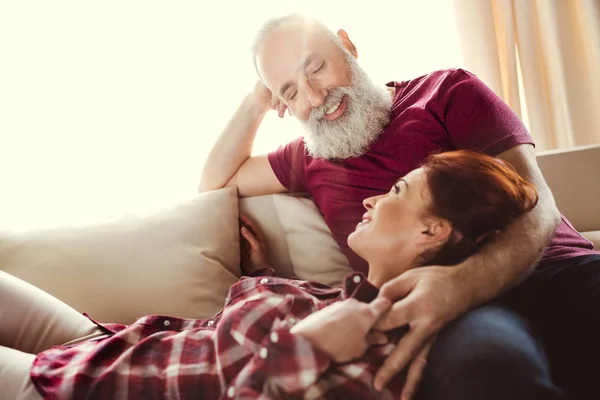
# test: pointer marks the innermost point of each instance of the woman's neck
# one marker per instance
(380, 274)
(376, 279)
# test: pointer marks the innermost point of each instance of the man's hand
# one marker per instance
(266, 100)
(253, 247)
(427, 299)
(342, 330)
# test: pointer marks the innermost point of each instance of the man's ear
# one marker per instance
(435, 231)
(347, 43)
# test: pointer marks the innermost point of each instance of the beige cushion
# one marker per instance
(179, 261)
(572, 175)
(593, 237)
(298, 240)
(300, 243)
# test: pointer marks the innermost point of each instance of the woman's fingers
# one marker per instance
(376, 337)
(250, 238)
(251, 226)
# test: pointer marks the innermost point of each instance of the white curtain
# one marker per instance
(109, 108)
(543, 58)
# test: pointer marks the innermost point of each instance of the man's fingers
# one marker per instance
(415, 372)
(408, 347)
(398, 315)
(281, 110)
(398, 287)
(378, 307)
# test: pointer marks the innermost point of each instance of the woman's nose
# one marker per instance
(369, 202)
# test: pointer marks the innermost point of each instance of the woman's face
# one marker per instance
(394, 229)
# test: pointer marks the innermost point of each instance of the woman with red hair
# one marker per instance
(275, 337)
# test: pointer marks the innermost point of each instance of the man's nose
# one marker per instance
(315, 96)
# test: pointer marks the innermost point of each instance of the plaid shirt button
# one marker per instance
(231, 391)
(264, 280)
(263, 353)
(356, 279)
(210, 323)
(274, 337)
(166, 322)
(292, 320)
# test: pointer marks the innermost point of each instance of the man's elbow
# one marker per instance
(555, 217)
(207, 185)
(549, 213)
(203, 187)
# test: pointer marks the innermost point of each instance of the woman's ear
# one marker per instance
(435, 231)
(348, 45)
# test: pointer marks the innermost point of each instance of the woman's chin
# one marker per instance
(352, 240)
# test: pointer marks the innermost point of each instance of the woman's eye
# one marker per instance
(396, 188)
(292, 96)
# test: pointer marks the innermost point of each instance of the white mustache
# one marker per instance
(366, 114)
(333, 97)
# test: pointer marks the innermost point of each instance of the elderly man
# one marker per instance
(475, 332)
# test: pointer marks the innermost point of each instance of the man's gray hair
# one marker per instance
(273, 23)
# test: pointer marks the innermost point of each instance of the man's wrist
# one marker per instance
(475, 288)
(253, 107)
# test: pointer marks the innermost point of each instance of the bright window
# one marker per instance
(111, 107)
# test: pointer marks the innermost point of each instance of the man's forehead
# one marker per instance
(287, 49)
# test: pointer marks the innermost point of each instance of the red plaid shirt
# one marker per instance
(244, 352)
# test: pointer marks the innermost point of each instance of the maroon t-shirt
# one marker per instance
(445, 110)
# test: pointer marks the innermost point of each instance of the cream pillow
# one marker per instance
(179, 261)
(298, 239)
(593, 237)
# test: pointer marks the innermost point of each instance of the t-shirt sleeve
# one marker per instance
(476, 118)
(288, 164)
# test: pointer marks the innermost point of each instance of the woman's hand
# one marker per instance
(343, 330)
(253, 247)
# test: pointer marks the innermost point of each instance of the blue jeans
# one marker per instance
(541, 340)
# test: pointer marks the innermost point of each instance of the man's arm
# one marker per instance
(518, 248)
(431, 297)
(229, 162)
(477, 119)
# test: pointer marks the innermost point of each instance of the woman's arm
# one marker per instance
(292, 359)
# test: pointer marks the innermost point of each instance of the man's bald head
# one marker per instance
(300, 24)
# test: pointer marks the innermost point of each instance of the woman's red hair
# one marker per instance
(479, 195)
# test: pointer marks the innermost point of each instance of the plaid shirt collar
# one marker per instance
(355, 285)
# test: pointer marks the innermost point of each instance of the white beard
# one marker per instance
(368, 108)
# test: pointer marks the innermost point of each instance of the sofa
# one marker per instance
(181, 260)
